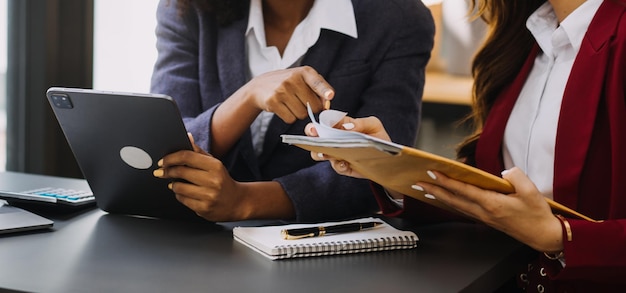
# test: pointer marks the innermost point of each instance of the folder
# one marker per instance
(397, 167)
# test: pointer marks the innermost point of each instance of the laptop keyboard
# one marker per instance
(53, 195)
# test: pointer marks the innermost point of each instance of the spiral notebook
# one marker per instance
(269, 242)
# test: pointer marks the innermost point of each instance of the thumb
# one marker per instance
(519, 180)
(368, 125)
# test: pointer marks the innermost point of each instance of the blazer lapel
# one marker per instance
(580, 103)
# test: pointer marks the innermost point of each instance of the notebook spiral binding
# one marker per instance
(346, 247)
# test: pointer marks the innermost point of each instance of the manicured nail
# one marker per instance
(348, 126)
(417, 187)
(431, 175)
(327, 95)
(160, 163)
(158, 173)
(320, 155)
(429, 196)
(505, 172)
(170, 185)
(327, 103)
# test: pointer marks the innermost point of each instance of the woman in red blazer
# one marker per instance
(558, 128)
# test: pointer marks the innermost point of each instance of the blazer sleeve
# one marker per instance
(177, 70)
(595, 253)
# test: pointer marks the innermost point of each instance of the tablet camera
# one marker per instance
(62, 101)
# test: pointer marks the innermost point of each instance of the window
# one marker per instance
(3, 70)
(124, 44)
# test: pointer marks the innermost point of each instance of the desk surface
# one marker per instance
(97, 252)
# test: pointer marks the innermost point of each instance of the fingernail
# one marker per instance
(170, 185)
(417, 187)
(327, 95)
(505, 172)
(160, 163)
(431, 175)
(158, 173)
(348, 126)
(320, 155)
(327, 103)
(429, 196)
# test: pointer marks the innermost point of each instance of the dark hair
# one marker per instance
(226, 11)
(499, 60)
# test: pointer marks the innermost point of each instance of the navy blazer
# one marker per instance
(381, 73)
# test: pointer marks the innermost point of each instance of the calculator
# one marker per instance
(31, 190)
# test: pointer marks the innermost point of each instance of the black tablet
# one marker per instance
(117, 139)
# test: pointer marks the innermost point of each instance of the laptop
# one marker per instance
(14, 219)
(117, 139)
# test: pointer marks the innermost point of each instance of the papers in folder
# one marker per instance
(395, 166)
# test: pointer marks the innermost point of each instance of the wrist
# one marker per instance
(265, 200)
(565, 234)
(550, 240)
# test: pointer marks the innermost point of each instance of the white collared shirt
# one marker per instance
(530, 134)
(336, 15)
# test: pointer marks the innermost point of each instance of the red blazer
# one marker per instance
(590, 154)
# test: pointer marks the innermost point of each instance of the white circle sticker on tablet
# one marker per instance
(136, 157)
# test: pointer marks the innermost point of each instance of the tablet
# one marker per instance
(117, 139)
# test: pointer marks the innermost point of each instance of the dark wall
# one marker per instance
(50, 43)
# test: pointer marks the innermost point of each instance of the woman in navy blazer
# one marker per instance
(589, 158)
(202, 64)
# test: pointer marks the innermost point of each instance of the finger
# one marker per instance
(190, 136)
(458, 188)
(310, 130)
(368, 125)
(341, 167)
(189, 193)
(190, 159)
(457, 202)
(318, 156)
(318, 84)
(287, 106)
(519, 180)
(195, 147)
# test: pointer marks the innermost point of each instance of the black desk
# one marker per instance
(98, 252)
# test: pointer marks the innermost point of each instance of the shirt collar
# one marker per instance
(336, 15)
(543, 23)
(578, 21)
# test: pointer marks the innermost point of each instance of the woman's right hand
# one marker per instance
(369, 125)
(287, 92)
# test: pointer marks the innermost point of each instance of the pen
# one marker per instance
(291, 234)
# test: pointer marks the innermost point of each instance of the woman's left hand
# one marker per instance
(202, 183)
(524, 215)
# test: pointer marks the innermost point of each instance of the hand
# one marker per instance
(207, 185)
(283, 92)
(524, 215)
(287, 92)
(204, 185)
(369, 125)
